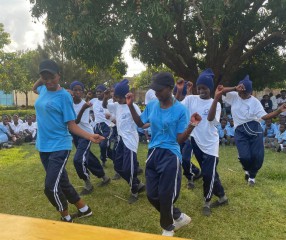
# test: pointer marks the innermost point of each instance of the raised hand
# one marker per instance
(195, 119)
(87, 105)
(129, 98)
(107, 93)
(96, 138)
(189, 87)
(219, 91)
(240, 88)
(180, 84)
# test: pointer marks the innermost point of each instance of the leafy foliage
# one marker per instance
(186, 36)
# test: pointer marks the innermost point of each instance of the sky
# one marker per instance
(27, 32)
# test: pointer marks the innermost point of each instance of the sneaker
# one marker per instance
(206, 211)
(197, 176)
(217, 203)
(251, 183)
(190, 184)
(167, 233)
(141, 187)
(104, 182)
(65, 220)
(182, 221)
(86, 191)
(246, 177)
(116, 176)
(139, 171)
(80, 214)
(133, 198)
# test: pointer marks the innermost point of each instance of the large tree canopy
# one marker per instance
(229, 36)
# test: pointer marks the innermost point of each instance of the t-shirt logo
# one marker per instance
(206, 112)
(101, 110)
(124, 116)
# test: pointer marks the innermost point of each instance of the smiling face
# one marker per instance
(203, 91)
(51, 81)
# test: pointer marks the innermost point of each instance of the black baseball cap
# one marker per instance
(162, 80)
(49, 66)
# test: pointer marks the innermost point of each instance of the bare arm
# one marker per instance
(83, 108)
(105, 98)
(273, 114)
(75, 129)
(36, 85)
(218, 94)
(135, 116)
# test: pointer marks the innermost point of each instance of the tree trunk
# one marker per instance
(26, 94)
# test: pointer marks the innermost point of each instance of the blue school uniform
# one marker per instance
(163, 168)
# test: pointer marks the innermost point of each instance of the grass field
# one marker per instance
(252, 213)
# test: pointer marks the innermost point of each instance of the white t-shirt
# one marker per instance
(149, 96)
(31, 128)
(244, 110)
(205, 133)
(84, 121)
(274, 103)
(280, 101)
(17, 128)
(126, 127)
(99, 112)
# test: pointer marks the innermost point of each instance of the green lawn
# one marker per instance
(252, 213)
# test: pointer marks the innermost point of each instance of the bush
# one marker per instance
(21, 112)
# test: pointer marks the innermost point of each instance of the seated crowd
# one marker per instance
(15, 131)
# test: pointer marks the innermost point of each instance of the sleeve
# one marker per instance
(145, 114)
(137, 109)
(217, 114)
(111, 107)
(230, 97)
(41, 89)
(183, 120)
(67, 108)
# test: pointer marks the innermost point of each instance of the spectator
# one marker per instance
(266, 103)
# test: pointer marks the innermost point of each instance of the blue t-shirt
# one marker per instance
(54, 110)
(165, 124)
(281, 137)
(220, 131)
(3, 134)
(230, 131)
(270, 131)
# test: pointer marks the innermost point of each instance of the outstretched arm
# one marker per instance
(273, 114)
(135, 116)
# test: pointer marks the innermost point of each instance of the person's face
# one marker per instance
(231, 122)
(77, 92)
(89, 94)
(244, 95)
(5, 121)
(266, 97)
(268, 122)
(33, 117)
(29, 120)
(99, 94)
(15, 119)
(282, 127)
(203, 91)
(164, 94)
(51, 81)
(283, 94)
(120, 100)
(223, 123)
(281, 120)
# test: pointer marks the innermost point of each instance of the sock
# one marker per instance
(88, 184)
(207, 204)
(67, 217)
(281, 146)
(83, 209)
(135, 194)
(247, 173)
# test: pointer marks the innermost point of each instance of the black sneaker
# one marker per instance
(197, 176)
(217, 203)
(86, 191)
(141, 187)
(65, 220)
(116, 176)
(104, 182)
(133, 198)
(80, 214)
(206, 211)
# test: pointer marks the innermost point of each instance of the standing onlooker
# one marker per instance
(266, 103)
(246, 112)
(168, 120)
(55, 118)
(84, 160)
(274, 101)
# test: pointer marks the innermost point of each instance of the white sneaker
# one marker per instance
(182, 221)
(167, 233)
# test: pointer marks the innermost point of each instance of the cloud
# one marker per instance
(17, 20)
(26, 32)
